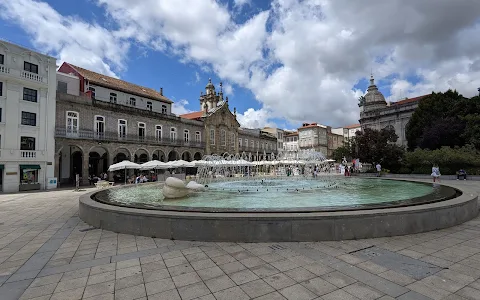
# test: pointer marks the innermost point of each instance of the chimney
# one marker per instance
(161, 91)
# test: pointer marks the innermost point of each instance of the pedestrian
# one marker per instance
(436, 173)
(379, 169)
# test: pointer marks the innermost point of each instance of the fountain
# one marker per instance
(279, 198)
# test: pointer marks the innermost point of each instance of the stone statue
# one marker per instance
(344, 161)
(361, 101)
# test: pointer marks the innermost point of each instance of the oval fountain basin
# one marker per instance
(332, 193)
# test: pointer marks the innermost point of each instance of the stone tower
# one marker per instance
(211, 97)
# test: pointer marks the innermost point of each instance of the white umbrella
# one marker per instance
(154, 164)
(124, 165)
(200, 163)
(182, 164)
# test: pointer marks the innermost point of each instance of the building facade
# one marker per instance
(348, 131)
(290, 141)
(279, 133)
(27, 118)
(92, 134)
(223, 133)
(313, 136)
(376, 113)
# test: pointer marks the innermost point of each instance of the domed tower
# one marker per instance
(373, 99)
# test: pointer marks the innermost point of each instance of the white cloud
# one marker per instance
(179, 107)
(228, 89)
(304, 68)
(240, 3)
(197, 77)
(252, 118)
(68, 38)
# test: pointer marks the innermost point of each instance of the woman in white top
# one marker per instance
(436, 173)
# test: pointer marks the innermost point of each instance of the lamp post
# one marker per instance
(478, 91)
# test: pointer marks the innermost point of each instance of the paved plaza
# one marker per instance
(47, 252)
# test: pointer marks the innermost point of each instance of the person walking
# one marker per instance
(436, 173)
(379, 169)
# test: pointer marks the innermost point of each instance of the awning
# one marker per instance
(32, 167)
(2, 167)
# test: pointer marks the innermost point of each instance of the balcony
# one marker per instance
(28, 154)
(23, 75)
(130, 138)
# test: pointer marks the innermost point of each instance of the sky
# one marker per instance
(282, 62)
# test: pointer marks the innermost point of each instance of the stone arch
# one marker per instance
(173, 155)
(197, 156)
(186, 155)
(121, 154)
(98, 160)
(31, 53)
(141, 156)
(158, 154)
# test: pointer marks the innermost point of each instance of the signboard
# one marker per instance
(52, 183)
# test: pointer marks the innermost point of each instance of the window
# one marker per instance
(240, 142)
(1, 88)
(29, 118)
(72, 123)
(27, 143)
(186, 135)
(198, 137)
(141, 130)
(173, 134)
(122, 128)
(164, 109)
(223, 138)
(258, 145)
(133, 101)
(99, 126)
(212, 136)
(29, 95)
(29, 67)
(113, 98)
(252, 145)
(246, 143)
(149, 105)
(92, 90)
(263, 146)
(62, 86)
(232, 140)
(2, 59)
(158, 132)
(0, 114)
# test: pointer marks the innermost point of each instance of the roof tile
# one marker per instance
(120, 85)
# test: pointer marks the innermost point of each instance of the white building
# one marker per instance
(279, 133)
(27, 118)
(348, 132)
(290, 141)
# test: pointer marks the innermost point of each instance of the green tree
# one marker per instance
(344, 151)
(438, 121)
(373, 146)
(472, 119)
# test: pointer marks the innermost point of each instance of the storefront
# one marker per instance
(29, 177)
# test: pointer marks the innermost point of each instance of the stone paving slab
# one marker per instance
(47, 252)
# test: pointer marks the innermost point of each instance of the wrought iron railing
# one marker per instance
(129, 138)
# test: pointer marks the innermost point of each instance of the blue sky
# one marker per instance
(281, 62)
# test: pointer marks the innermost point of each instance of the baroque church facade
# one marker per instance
(222, 131)
(376, 113)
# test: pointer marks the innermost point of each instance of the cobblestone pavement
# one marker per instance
(47, 252)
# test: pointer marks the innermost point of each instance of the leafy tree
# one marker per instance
(438, 121)
(344, 151)
(472, 119)
(373, 146)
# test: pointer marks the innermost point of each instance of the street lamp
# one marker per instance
(478, 91)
